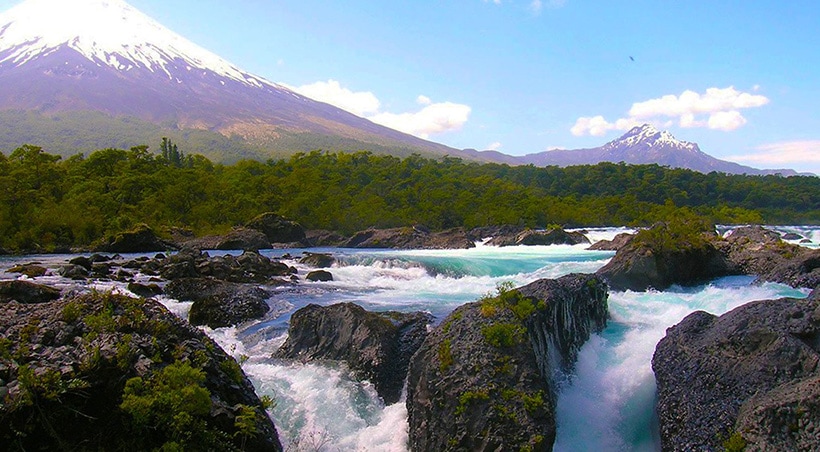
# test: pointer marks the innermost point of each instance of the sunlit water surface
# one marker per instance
(606, 404)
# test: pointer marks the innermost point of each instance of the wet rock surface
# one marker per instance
(27, 292)
(531, 237)
(278, 229)
(620, 241)
(758, 251)
(220, 303)
(141, 239)
(752, 372)
(375, 345)
(483, 379)
(411, 238)
(65, 366)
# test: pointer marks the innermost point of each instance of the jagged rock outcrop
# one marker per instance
(484, 379)
(758, 251)
(32, 270)
(530, 237)
(106, 372)
(411, 238)
(318, 260)
(319, 276)
(219, 303)
(278, 229)
(664, 255)
(376, 345)
(27, 292)
(324, 238)
(620, 241)
(237, 239)
(249, 267)
(141, 239)
(752, 372)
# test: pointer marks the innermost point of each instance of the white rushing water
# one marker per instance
(607, 404)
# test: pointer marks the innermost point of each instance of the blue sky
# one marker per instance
(741, 78)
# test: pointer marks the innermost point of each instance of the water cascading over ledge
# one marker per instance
(485, 378)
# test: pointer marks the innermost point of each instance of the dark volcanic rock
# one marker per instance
(324, 238)
(145, 290)
(71, 271)
(238, 239)
(792, 236)
(483, 379)
(744, 372)
(68, 379)
(531, 237)
(620, 241)
(26, 292)
(758, 251)
(377, 346)
(82, 261)
(411, 238)
(32, 270)
(250, 267)
(141, 239)
(219, 303)
(319, 276)
(278, 229)
(318, 260)
(660, 257)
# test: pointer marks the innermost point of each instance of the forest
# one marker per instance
(49, 203)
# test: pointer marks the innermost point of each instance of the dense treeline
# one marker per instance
(47, 202)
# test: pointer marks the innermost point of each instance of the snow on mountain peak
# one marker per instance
(650, 136)
(109, 32)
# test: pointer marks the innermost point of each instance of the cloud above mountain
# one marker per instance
(806, 152)
(433, 118)
(716, 109)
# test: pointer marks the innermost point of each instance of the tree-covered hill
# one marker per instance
(48, 203)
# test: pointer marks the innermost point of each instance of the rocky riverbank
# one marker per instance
(747, 380)
(108, 372)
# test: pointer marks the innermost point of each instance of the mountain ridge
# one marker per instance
(642, 145)
(116, 60)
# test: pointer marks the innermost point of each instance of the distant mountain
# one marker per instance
(64, 56)
(646, 145)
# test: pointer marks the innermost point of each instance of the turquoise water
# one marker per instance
(606, 404)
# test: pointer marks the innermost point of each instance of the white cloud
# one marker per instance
(359, 103)
(787, 153)
(726, 121)
(432, 119)
(494, 146)
(536, 6)
(423, 100)
(717, 109)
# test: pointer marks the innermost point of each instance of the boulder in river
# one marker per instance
(141, 239)
(277, 229)
(31, 270)
(531, 237)
(749, 377)
(220, 303)
(484, 378)
(377, 346)
(317, 260)
(666, 254)
(761, 252)
(27, 292)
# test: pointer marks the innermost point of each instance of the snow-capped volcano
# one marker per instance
(110, 32)
(647, 136)
(105, 56)
(643, 145)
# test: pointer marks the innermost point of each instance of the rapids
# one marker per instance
(606, 404)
